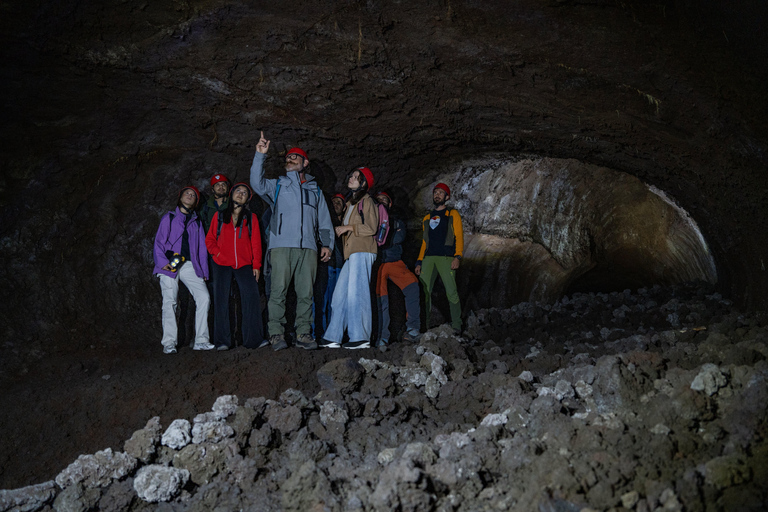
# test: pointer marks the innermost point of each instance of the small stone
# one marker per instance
(526, 376)
(225, 406)
(143, 443)
(155, 483)
(630, 499)
(709, 379)
(211, 432)
(495, 419)
(386, 456)
(333, 412)
(177, 436)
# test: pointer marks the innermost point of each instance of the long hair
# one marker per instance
(360, 193)
(245, 213)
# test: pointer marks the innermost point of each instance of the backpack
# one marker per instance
(383, 231)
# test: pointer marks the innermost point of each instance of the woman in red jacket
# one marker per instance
(234, 241)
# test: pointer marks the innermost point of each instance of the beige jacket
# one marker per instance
(361, 238)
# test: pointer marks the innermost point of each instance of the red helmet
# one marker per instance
(443, 187)
(242, 184)
(340, 196)
(216, 178)
(193, 189)
(368, 176)
(382, 193)
(297, 151)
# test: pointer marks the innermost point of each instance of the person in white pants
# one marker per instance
(181, 233)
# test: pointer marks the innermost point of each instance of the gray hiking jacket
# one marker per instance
(300, 215)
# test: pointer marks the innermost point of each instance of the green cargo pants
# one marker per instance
(431, 266)
(301, 266)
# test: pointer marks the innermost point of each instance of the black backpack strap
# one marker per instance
(245, 219)
(221, 221)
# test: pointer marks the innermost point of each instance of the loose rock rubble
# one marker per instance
(652, 401)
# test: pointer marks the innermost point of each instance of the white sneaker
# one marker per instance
(169, 350)
(204, 346)
(353, 345)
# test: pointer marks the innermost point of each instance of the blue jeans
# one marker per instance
(351, 303)
(323, 296)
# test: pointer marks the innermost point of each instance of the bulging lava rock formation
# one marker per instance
(109, 108)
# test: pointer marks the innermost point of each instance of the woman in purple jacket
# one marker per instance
(181, 233)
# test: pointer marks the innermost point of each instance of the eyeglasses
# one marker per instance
(292, 156)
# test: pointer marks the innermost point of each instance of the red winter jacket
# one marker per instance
(235, 248)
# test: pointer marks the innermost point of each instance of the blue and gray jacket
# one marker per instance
(300, 215)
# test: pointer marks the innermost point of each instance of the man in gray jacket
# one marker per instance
(300, 221)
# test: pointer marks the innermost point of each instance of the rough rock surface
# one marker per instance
(97, 470)
(585, 410)
(143, 443)
(159, 483)
(110, 107)
(26, 499)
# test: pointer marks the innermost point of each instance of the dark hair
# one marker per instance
(244, 214)
(360, 193)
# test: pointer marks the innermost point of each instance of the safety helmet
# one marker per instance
(193, 189)
(297, 151)
(382, 193)
(368, 176)
(242, 184)
(443, 187)
(216, 178)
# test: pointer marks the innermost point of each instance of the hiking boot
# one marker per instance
(207, 345)
(306, 342)
(278, 342)
(324, 343)
(352, 345)
(412, 337)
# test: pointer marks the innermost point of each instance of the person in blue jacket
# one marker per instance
(300, 223)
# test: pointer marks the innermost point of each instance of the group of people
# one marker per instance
(222, 239)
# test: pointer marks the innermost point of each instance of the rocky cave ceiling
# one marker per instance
(656, 113)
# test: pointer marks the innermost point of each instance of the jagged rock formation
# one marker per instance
(110, 107)
(597, 404)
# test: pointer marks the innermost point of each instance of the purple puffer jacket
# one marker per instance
(168, 238)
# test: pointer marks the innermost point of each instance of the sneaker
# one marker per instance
(412, 337)
(222, 347)
(169, 350)
(324, 343)
(306, 342)
(278, 342)
(381, 343)
(264, 343)
(357, 344)
(204, 346)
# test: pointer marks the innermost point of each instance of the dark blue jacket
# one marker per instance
(392, 250)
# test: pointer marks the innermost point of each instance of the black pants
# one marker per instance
(253, 330)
